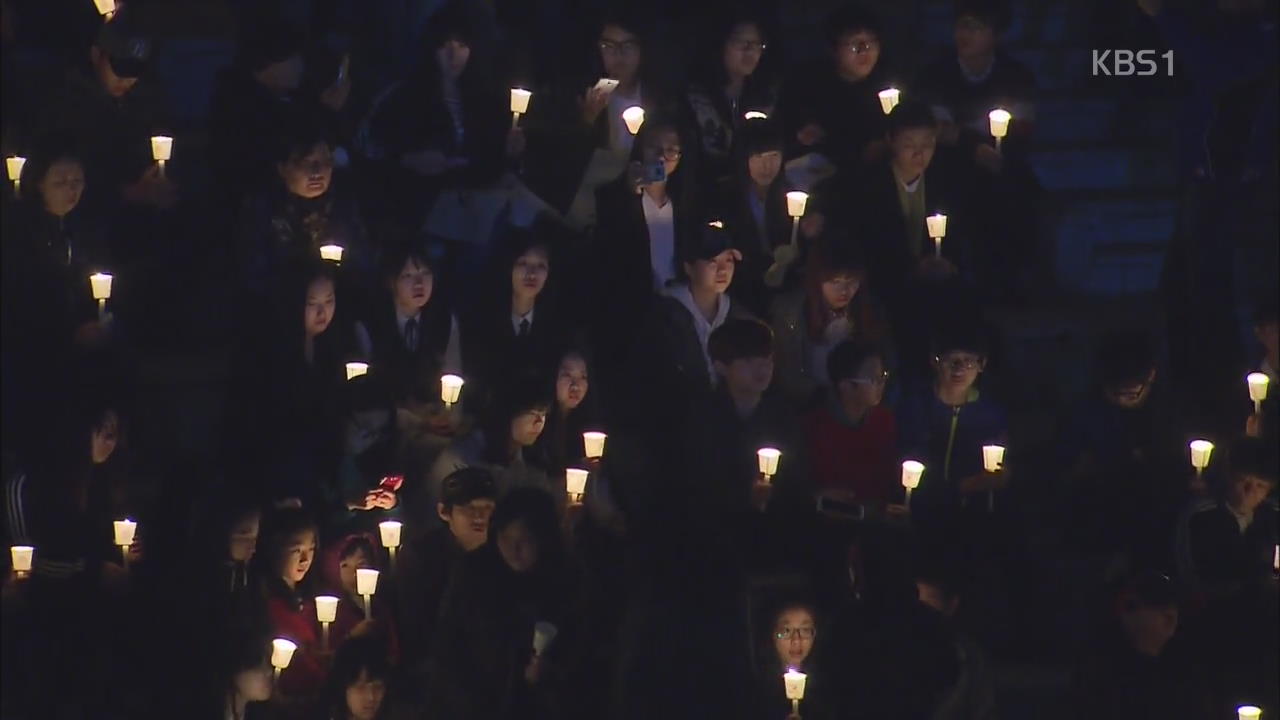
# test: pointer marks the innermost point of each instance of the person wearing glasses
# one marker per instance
(793, 634)
(834, 108)
(729, 87)
(833, 305)
(946, 423)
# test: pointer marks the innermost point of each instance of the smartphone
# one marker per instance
(391, 483)
(653, 172)
(836, 507)
(608, 85)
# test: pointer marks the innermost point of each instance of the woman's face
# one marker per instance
(667, 146)
(857, 54)
(518, 546)
(412, 287)
(452, 56)
(527, 426)
(742, 51)
(715, 274)
(365, 695)
(572, 382)
(1247, 492)
(619, 54)
(105, 437)
(347, 567)
(764, 167)
(62, 186)
(243, 539)
(793, 636)
(308, 175)
(321, 303)
(839, 291)
(298, 553)
(254, 684)
(529, 273)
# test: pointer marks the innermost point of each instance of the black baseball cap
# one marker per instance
(467, 484)
(705, 243)
(127, 49)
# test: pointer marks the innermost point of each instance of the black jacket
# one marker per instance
(734, 209)
(849, 113)
(410, 373)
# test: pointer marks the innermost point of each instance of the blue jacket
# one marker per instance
(948, 440)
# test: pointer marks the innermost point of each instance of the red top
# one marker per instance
(306, 673)
(862, 459)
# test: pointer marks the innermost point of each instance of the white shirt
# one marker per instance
(620, 138)
(517, 319)
(662, 239)
(912, 186)
(701, 325)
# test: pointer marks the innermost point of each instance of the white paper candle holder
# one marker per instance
(331, 253)
(889, 99)
(22, 556)
(767, 458)
(593, 443)
(1248, 712)
(1258, 383)
(357, 369)
(282, 651)
(634, 118)
(450, 389)
(13, 169)
(575, 483)
(519, 104)
(999, 122)
(1201, 451)
(366, 586)
(326, 613)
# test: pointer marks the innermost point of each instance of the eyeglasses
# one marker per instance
(804, 633)
(958, 364)
(881, 379)
(626, 47)
(672, 153)
(864, 47)
(747, 45)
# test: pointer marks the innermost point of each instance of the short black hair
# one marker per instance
(962, 337)
(911, 115)
(847, 357)
(1254, 456)
(466, 484)
(994, 13)
(299, 137)
(398, 253)
(1125, 358)
(740, 338)
(761, 135)
(851, 19)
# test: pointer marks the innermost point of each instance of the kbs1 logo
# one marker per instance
(1130, 63)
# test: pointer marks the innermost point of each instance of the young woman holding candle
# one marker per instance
(575, 410)
(484, 665)
(731, 84)
(792, 637)
(834, 304)
(288, 556)
(341, 559)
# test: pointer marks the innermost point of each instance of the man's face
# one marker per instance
(867, 389)
(857, 54)
(913, 151)
(619, 53)
(764, 167)
(742, 50)
(1132, 395)
(469, 522)
(1248, 491)
(958, 369)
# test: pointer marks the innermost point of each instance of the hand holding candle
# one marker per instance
(450, 389)
(634, 118)
(326, 613)
(575, 483)
(124, 531)
(282, 654)
(1257, 390)
(519, 104)
(366, 586)
(889, 99)
(13, 168)
(22, 556)
(999, 120)
(161, 150)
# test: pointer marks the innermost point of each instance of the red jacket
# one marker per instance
(306, 674)
(862, 459)
(351, 610)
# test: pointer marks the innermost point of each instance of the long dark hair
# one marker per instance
(536, 509)
(47, 152)
(455, 21)
(711, 72)
(825, 263)
(518, 397)
(356, 656)
(290, 303)
(562, 433)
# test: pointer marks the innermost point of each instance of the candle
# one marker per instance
(794, 682)
(450, 389)
(889, 99)
(1257, 389)
(936, 224)
(717, 224)
(634, 118)
(992, 458)
(519, 104)
(754, 115)
(161, 150)
(100, 283)
(22, 557)
(796, 202)
(911, 472)
(1200, 452)
(357, 369)
(575, 483)
(999, 124)
(124, 532)
(366, 586)
(326, 612)
(105, 7)
(543, 633)
(281, 654)
(1248, 712)
(13, 167)
(390, 531)
(593, 442)
(767, 459)
(332, 253)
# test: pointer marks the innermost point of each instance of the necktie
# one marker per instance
(411, 335)
(524, 328)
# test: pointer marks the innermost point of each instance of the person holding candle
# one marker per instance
(835, 304)
(574, 411)
(791, 639)
(291, 547)
(834, 108)
(729, 87)
(373, 453)
(299, 210)
(238, 684)
(483, 664)
(752, 205)
(341, 559)
(429, 559)
(1265, 330)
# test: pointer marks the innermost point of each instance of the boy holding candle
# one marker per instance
(1265, 330)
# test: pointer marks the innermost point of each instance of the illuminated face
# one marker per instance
(527, 426)
(321, 304)
(868, 386)
(764, 167)
(62, 186)
(529, 273)
(715, 274)
(347, 567)
(412, 287)
(857, 54)
(469, 523)
(1247, 492)
(518, 546)
(742, 51)
(913, 151)
(620, 53)
(365, 696)
(299, 552)
(959, 370)
(572, 382)
(308, 175)
(793, 636)
(839, 291)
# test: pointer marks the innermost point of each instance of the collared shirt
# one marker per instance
(403, 320)
(662, 240)
(517, 319)
(911, 200)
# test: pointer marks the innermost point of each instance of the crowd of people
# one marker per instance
(635, 306)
